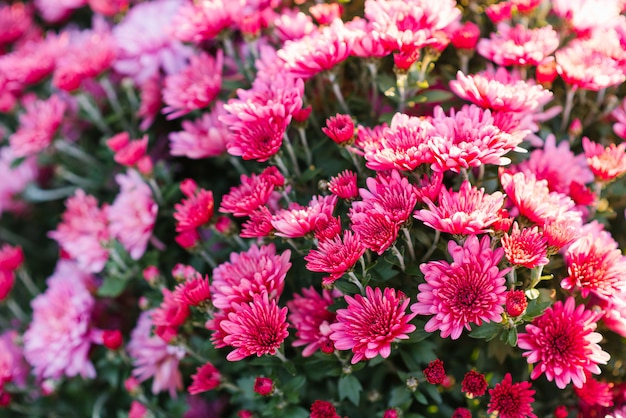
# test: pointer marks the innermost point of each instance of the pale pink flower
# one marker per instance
(202, 20)
(292, 24)
(587, 15)
(154, 358)
(606, 164)
(309, 315)
(38, 125)
(499, 12)
(469, 138)
(145, 46)
(518, 45)
(466, 212)
(404, 145)
(511, 400)
(83, 232)
(471, 290)
(202, 138)
(13, 367)
(132, 214)
(562, 344)
(389, 193)
(258, 270)
(254, 192)
(15, 179)
(367, 42)
(258, 327)
(195, 86)
(561, 232)
(56, 10)
(619, 114)
(298, 221)
(372, 323)
(108, 7)
(526, 247)
(343, 185)
(58, 340)
(335, 256)
(500, 91)
(15, 19)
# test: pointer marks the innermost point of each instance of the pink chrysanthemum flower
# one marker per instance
(595, 264)
(56, 10)
(500, 91)
(15, 179)
(83, 232)
(258, 327)
(169, 316)
(195, 291)
(128, 152)
(203, 20)
(367, 42)
(403, 145)
(16, 19)
(370, 324)
(619, 114)
(471, 290)
(37, 126)
(154, 358)
(466, 36)
(259, 224)
(292, 24)
(586, 15)
(376, 230)
(343, 185)
(388, 193)
(202, 138)
(562, 344)
(13, 367)
(606, 164)
(323, 409)
(194, 211)
(298, 220)
(207, 378)
(519, 45)
(512, 400)
(339, 128)
(429, 187)
(469, 138)
(466, 212)
(132, 214)
(526, 247)
(59, 338)
(30, 63)
(309, 315)
(253, 193)
(195, 86)
(335, 256)
(593, 392)
(145, 46)
(258, 270)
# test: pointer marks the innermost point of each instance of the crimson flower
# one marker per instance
(512, 400)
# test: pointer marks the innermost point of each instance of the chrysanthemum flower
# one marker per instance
(462, 413)
(202, 21)
(586, 15)
(606, 164)
(194, 211)
(367, 42)
(519, 45)
(203, 137)
(309, 315)
(323, 409)
(128, 153)
(335, 256)
(258, 327)
(258, 270)
(471, 290)
(465, 37)
(254, 192)
(13, 367)
(434, 372)
(376, 230)
(343, 185)
(207, 378)
(339, 128)
(194, 291)
(370, 324)
(83, 232)
(512, 400)
(594, 392)
(562, 344)
(388, 193)
(516, 303)
(469, 138)
(526, 247)
(169, 316)
(17, 18)
(55, 11)
(468, 211)
(259, 224)
(474, 384)
(298, 221)
(16, 178)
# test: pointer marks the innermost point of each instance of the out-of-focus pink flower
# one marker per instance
(606, 164)
(83, 232)
(196, 210)
(545, 72)
(474, 384)
(258, 327)
(15, 20)
(298, 221)
(108, 7)
(499, 12)
(153, 357)
(132, 214)
(466, 212)
(15, 179)
(29, 63)
(258, 270)
(512, 400)
(195, 86)
(309, 315)
(526, 247)
(518, 45)
(207, 378)
(54, 11)
(340, 128)
(58, 340)
(335, 256)
(112, 339)
(562, 344)
(391, 413)
(323, 409)
(145, 46)
(370, 324)
(462, 412)
(13, 368)
(169, 316)
(205, 137)
(586, 15)
(366, 43)
(138, 410)
(203, 21)
(466, 36)
(594, 392)
(619, 114)
(11, 259)
(37, 126)
(325, 13)
(150, 104)
(253, 192)
(471, 290)
(293, 24)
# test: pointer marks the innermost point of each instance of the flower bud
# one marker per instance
(264, 386)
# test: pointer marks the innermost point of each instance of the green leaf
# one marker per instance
(419, 397)
(346, 287)
(433, 392)
(350, 387)
(535, 308)
(290, 367)
(433, 96)
(512, 337)
(293, 411)
(399, 396)
(112, 286)
(487, 331)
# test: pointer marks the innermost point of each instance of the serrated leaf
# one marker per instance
(350, 387)
(487, 331)
(112, 286)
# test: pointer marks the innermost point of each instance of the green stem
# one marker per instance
(207, 257)
(355, 280)
(292, 154)
(409, 242)
(399, 256)
(432, 248)
(401, 83)
(337, 90)
(305, 145)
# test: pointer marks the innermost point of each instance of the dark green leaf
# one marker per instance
(433, 392)
(419, 397)
(487, 331)
(293, 411)
(535, 308)
(350, 387)
(512, 337)
(399, 396)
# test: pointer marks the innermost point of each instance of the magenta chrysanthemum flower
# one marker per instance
(474, 384)
(335, 256)
(196, 209)
(619, 114)
(59, 338)
(83, 232)
(388, 193)
(13, 367)
(258, 270)
(203, 137)
(202, 21)
(466, 212)
(309, 315)
(469, 138)
(207, 378)
(435, 372)
(471, 290)
(194, 87)
(526, 247)
(518, 45)
(367, 42)
(15, 179)
(339, 128)
(593, 392)
(370, 324)
(258, 327)
(606, 164)
(376, 230)
(512, 400)
(253, 192)
(17, 18)
(562, 344)
(343, 185)
(259, 224)
(298, 220)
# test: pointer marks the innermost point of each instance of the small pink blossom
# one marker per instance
(586, 15)
(339, 128)
(526, 247)
(254, 192)
(466, 37)
(259, 224)
(608, 163)
(204, 137)
(54, 11)
(13, 367)
(298, 221)
(518, 45)
(293, 24)
(202, 21)
(207, 378)
(15, 19)
(343, 185)
(335, 256)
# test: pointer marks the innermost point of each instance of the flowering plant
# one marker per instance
(250, 208)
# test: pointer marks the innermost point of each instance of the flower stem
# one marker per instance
(372, 66)
(409, 242)
(28, 282)
(569, 104)
(234, 161)
(535, 276)
(355, 280)
(337, 90)
(305, 145)
(93, 113)
(292, 154)
(401, 82)
(399, 256)
(432, 248)
(207, 257)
